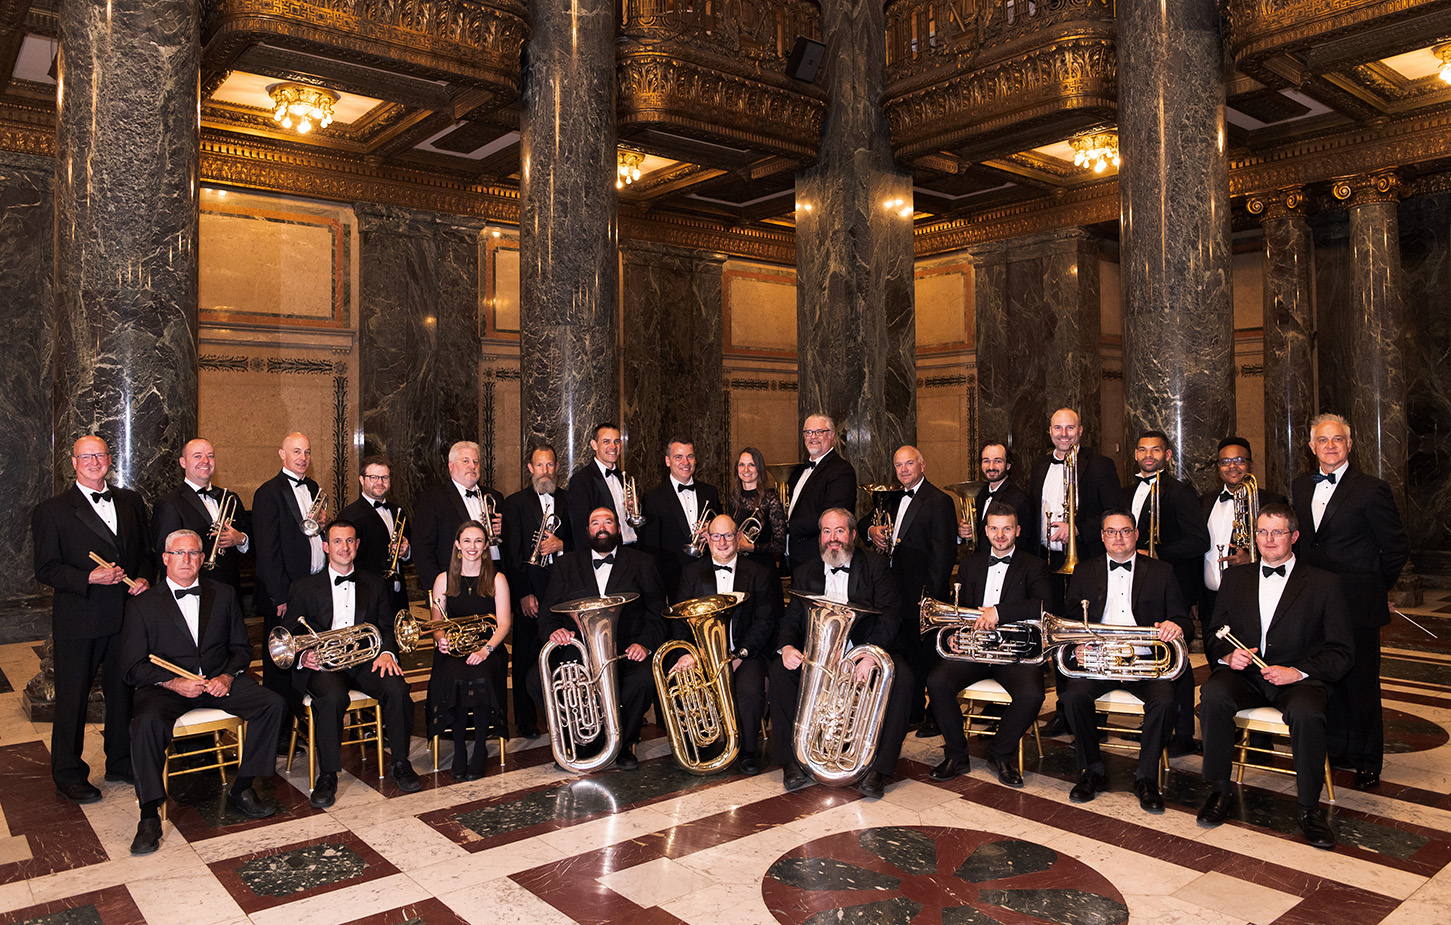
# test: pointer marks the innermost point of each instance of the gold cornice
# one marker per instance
(1261, 28)
(1400, 143)
(1090, 206)
(768, 245)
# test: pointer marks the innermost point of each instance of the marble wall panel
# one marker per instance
(1426, 260)
(1334, 336)
(1110, 350)
(759, 303)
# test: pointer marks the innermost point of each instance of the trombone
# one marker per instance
(220, 526)
(316, 517)
(1153, 549)
(1070, 512)
(395, 548)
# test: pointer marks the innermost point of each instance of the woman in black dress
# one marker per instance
(460, 686)
(754, 492)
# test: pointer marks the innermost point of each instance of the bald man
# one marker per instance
(194, 505)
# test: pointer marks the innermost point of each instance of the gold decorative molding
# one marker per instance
(1263, 29)
(1382, 186)
(1400, 143)
(773, 246)
(1280, 203)
(1087, 206)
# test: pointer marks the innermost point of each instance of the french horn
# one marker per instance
(698, 705)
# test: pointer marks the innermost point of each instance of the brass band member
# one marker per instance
(672, 510)
(1009, 585)
(195, 504)
(1234, 463)
(90, 518)
(847, 574)
(996, 463)
(823, 481)
(1293, 617)
(753, 491)
(442, 507)
(195, 624)
(750, 633)
(600, 483)
(377, 521)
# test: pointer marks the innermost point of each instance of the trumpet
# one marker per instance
(547, 528)
(582, 700)
(316, 517)
(698, 705)
(395, 547)
(1070, 512)
(221, 525)
(1246, 513)
(1018, 643)
(1112, 651)
(488, 511)
(465, 635)
(633, 515)
(695, 547)
(336, 649)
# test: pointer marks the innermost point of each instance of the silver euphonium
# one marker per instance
(336, 649)
(1018, 643)
(1111, 651)
(838, 719)
(582, 702)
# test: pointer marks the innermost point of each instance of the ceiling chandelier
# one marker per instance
(627, 168)
(309, 106)
(1443, 52)
(1096, 151)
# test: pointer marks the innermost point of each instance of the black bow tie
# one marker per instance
(840, 568)
(615, 473)
(471, 492)
(1054, 461)
(994, 560)
(214, 493)
(605, 560)
(910, 492)
(690, 487)
(183, 592)
(1225, 496)
(1324, 477)
(380, 504)
(1146, 479)
(296, 482)
(350, 576)
(1277, 570)
(99, 496)
(722, 568)
(809, 464)
(1126, 566)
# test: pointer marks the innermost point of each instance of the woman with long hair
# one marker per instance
(753, 491)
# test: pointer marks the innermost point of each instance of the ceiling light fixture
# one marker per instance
(1443, 52)
(627, 167)
(1095, 151)
(310, 106)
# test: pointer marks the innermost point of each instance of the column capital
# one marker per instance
(1363, 189)
(1278, 203)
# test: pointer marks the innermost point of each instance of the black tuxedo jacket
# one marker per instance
(1018, 500)
(1098, 491)
(1026, 590)
(587, 491)
(1155, 596)
(66, 530)
(312, 600)
(1310, 629)
(182, 509)
(284, 552)
(1360, 539)
(154, 626)
(870, 583)
(926, 544)
(666, 532)
(373, 543)
(522, 518)
(1183, 531)
(832, 484)
(439, 512)
(753, 624)
(573, 577)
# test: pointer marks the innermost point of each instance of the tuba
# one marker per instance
(312, 524)
(697, 705)
(1018, 643)
(582, 701)
(1246, 513)
(838, 721)
(964, 498)
(337, 649)
(1070, 512)
(222, 524)
(1111, 650)
(465, 635)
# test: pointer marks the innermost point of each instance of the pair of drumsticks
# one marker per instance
(157, 660)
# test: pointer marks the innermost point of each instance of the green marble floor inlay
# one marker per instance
(301, 869)
(81, 915)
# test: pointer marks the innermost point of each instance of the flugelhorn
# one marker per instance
(958, 638)
(1246, 515)
(633, 515)
(1112, 651)
(838, 719)
(695, 546)
(395, 547)
(547, 528)
(487, 512)
(752, 526)
(316, 517)
(465, 635)
(336, 649)
(697, 704)
(1070, 512)
(220, 526)
(582, 701)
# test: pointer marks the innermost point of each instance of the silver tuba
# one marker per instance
(582, 701)
(337, 649)
(1112, 651)
(838, 721)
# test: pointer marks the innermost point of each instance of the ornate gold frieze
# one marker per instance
(774, 246)
(1259, 29)
(928, 35)
(1401, 142)
(759, 33)
(1089, 206)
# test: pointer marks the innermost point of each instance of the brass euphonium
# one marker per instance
(1070, 512)
(316, 517)
(221, 525)
(395, 547)
(1246, 515)
(838, 720)
(547, 528)
(582, 701)
(695, 546)
(1110, 651)
(465, 635)
(336, 649)
(698, 705)
(1018, 643)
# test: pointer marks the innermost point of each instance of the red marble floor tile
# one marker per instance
(194, 827)
(580, 896)
(346, 849)
(113, 905)
(430, 911)
(59, 834)
(1339, 904)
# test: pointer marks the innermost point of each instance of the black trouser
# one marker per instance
(156, 713)
(1159, 708)
(1024, 683)
(76, 662)
(1059, 587)
(1228, 691)
(1356, 729)
(524, 658)
(786, 688)
(277, 680)
(922, 656)
(329, 690)
(749, 684)
(635, 690)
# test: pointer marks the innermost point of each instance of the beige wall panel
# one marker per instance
(760, 308)
(943, 304)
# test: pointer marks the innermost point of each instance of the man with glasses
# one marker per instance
(1293, 618)
(376, 519)
(822, 482)
(1234, 463)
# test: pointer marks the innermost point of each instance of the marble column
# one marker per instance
(1036, 330)
(568, 228)
(1174, 191)
(1425, 224)
(1289, 326)
(671, 358)
(856, 327)
(126, 234)
(418, 340)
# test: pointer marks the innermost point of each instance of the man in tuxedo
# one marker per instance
(606, 567)
(443, 507)
(923, 544)
(338, 596)
(525, 511)
(1350, 526)
(1234, 463)
(823, 481)
(197, 626)
(89, 517)
(749, 634)
(1182, 541)
(1008, 586)
(996, 463)
(600, 483)
(1294, 618)
(849, 575)
(1125, 588)
(376, 519)
(673, 508)
(194, 505)
(284, 552)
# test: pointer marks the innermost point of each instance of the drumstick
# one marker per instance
(1224, 633)
(96, 558)
(177, 670)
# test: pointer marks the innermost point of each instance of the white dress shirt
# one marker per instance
(1052, 502)
(1118, 607)
(837, 582)
(1323, 491)
(992, 592)
(104, 508)
(345, 596)
(725, 583)
(602, 573)
(902, 506)
(303, 498)
(688, 502)
(190, 606)
(1272, 588)
(1221, 528)
(617, 492)
(1141, 495)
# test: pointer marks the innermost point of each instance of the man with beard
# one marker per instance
(842, 573)
(443, 507)
(526, 511)
(996, 463)
(604, 568)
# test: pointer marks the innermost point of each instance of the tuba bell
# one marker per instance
(1112, 651)
(336, 649)
(582, 702)
(698, 705)
(838, 720)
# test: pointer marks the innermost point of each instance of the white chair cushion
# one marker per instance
(353, 697)
(199, 716)
(1118, 696)
(1262, 715)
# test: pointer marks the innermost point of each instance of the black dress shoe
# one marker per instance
(529, 733)
(250, 805)
(749, 764)
(1178, 748)
(950, 768)
(79, 792)
(873, 785)
(626, 760)
(1215, 810)
(1364, 780)
(793, 777)
(324, 790)
(1056, 726)
(1317, 830)
(120, 777)
(1150, 800)
(1090, 785)
(928, 729)
(405, 777)
(1008, 774)
(148, 837)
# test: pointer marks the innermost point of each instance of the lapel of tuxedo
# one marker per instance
(195, 502)
(93, 522)
(912, 508)
(1295, 585)
(1343, 490)
(204, 612)
(459, 508)
(618, 572)
(1136, 587)
(855, 579)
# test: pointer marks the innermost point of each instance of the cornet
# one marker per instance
(336, 649)
(695, 547)
(633, 515)
(316, 517)
(220, 526)
(395, 547)
(547, 528)
(488, 511)
(698, 705)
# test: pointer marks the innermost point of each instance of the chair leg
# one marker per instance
(1329, 784)
(1036, 740)
(1243, 749)
(241, 740)
(217, 755)
(502, 740)
(311, 750)
(378, 738)
(292, 745)
(433, 747)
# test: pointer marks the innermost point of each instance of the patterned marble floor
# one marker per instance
(530, 844)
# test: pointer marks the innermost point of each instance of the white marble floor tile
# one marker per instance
(1129, 871)
(1430, 904)
(598, 833)
(708, 907)
(502, 902)
(345, 905)
(183, 898)
(1238, 899)
(16, 895)
(1328, 864)
(917, 796)
(1170, 910)
(175, 859)
(743, 862)
(656, 882)
(410, 843)
(266, 837)
(454, 874)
